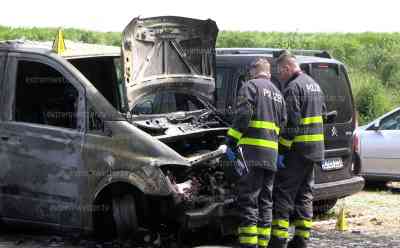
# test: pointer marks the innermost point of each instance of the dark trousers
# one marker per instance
(293, 197)
(255, 207)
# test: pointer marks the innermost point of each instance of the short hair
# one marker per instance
(261, 65)
(285, 57)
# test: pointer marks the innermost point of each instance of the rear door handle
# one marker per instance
(5, 138)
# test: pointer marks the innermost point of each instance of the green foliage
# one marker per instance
(48, 34)
(372, 99)
(372, 58)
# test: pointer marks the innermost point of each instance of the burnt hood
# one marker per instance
(169, 52)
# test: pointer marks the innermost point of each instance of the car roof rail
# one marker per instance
(316, 53)
(11, 43)
(274, 51)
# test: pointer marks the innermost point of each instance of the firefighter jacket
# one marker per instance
(304, 133)
(259, 115)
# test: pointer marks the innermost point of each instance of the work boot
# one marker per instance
(297, 242)
(276, 242)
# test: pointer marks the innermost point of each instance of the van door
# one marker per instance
(41, 140)
(2, 71)
(2, 64)
(334, 82)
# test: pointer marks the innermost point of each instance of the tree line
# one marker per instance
(371, 58)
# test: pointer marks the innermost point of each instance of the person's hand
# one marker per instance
(223, 148)
(280, 163)
(230, 153)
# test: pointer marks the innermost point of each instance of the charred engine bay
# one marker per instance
(190, 134)
(194, 135)
(177, 124)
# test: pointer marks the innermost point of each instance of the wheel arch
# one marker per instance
(102, 216)
(141, 185)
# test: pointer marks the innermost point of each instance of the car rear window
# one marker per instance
(334, 82)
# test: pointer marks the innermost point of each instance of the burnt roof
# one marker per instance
(73, 49)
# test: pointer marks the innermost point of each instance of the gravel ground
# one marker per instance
(373, 217)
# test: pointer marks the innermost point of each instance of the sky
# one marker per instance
(267, 15)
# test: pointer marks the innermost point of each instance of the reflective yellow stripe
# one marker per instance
(285, 142)
(280, 233)
(303, 223)
(248, 230)
(265, 124)
(309, 138)
(265, 231)
(234, 133)
(263, 242)
(302, 233)
(281, 223)
(248, 240)
(259, 142)
(311, 120)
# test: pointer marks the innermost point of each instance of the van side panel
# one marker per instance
(40, 162)
(2, 66)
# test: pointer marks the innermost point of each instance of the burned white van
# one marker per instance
(87, 145)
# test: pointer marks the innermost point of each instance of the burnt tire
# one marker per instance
(323, 206)
(125, 216)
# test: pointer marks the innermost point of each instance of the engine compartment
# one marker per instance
(195, 136)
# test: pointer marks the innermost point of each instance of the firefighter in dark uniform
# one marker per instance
(260, 113)
(301, 146)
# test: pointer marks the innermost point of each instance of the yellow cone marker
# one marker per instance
(59, 43)
(342, 224)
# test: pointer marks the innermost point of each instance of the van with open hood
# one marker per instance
(86, 145)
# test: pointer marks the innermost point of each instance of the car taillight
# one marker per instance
(355, 134)
(355, 118)
(356, 142)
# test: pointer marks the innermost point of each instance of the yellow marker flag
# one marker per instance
(59, 43)
(342, 224)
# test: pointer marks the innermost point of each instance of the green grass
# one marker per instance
(372, 58)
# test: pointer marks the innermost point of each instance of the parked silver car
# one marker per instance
(378, 148)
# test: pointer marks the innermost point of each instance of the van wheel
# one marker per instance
(124, 213)
(323, 206)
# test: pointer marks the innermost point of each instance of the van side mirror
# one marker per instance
(375, 126)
